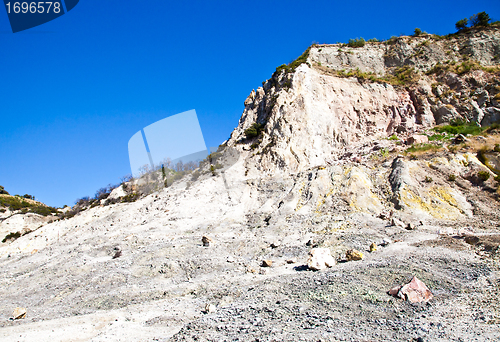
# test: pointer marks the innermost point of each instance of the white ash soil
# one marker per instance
(65, 275)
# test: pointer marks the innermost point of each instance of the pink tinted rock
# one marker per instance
(415, 291)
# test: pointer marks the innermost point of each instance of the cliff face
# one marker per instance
(345, 97)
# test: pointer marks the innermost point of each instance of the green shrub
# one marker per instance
(358, 42)
(289, 68)
(254, 130)
(3, 191)
(417, 32)
(255, 145)
(131, 197)
(497, 148)
(393, 137)
(11, 236)
(373, 40)
(428, 179)
(384, 152)
(483, 176)
(480, 19)
(452, 177)
(461, 24)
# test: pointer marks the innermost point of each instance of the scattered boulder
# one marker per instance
(275, 244)
(19, 313)
(373, 247)
(267, 263)
(117, 252)
(415, 291)
(417, 139)
(354, 255)
(320, 258)
(210, 308)
(385, 215)
(385, 242)
(206, 241)
(397, 223)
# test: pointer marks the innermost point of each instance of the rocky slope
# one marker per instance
(309, 165)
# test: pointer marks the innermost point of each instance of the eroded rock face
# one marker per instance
(311, 115)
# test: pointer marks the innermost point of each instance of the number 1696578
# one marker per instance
(33, 7)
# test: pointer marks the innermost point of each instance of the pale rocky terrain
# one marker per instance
(321, 173)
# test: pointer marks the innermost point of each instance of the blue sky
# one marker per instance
(74, 90)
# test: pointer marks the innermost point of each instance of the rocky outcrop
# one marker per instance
(309, 115)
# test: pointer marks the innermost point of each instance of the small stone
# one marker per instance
(230, 259)
(210, 308)
(460, 139)
(417, 139)
(19, 313)
(291, 261)
(206, 241)
(263, 271)
(396, 222)
(267, 263)
(251, 270)
(373, 247)
(385, 242)
(320, 258)
(410, 226)
(354, 255)
(275, 244)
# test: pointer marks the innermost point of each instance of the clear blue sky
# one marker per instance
(74, 90)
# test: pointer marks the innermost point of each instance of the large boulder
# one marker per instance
(319, 259)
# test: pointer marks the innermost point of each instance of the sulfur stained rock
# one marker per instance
(373, 247)
(19, 313)
(267, 263)
(354, 255)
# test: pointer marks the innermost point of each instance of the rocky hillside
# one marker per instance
(336, 155)
(336, 96)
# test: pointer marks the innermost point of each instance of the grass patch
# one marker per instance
(423, 148)
(437, 137)
(460, 127)
(461, 68)
(483, 176)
